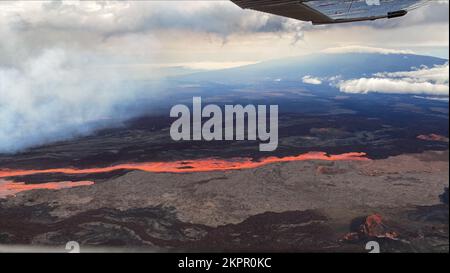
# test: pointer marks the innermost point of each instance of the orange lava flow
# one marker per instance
(191, 166)
(9, 188)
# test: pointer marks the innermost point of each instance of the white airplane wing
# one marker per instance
(333, 11)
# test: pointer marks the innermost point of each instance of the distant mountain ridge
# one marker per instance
(347, 65)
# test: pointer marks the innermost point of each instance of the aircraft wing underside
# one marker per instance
(333, 11)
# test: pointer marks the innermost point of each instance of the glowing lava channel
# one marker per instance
(191, 166)
(10, 188)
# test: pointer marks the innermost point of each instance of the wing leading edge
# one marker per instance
(333, 11)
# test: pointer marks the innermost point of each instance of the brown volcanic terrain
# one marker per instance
(290, 206)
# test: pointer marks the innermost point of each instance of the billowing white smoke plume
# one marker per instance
(51, 97)
(70, 67)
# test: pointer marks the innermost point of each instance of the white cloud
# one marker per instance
(424, 81)
(210, 65)
(366, 49)
(311, 80)
(392, 86)
(444, 99)
(125, 17)
(202, 28)
(438, 74)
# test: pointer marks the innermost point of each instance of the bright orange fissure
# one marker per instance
(191, 166)
(10, 188)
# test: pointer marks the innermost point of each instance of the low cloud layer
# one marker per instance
(311, 80)
(425, 81)
(366, 49)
